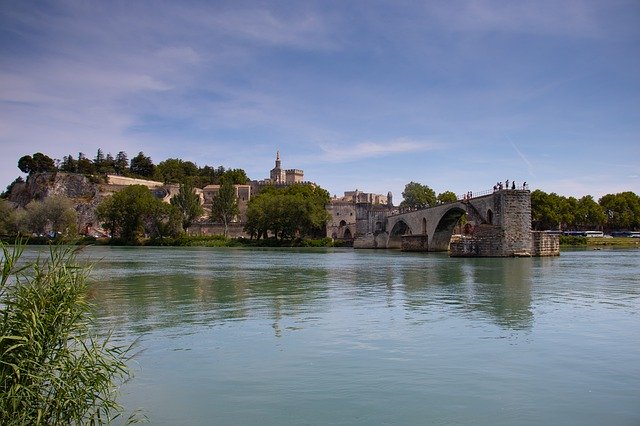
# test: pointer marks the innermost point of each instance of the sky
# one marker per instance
(367, 95)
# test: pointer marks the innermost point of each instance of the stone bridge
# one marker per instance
(499, 225)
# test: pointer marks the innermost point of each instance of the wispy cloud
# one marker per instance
(340, 153)
(573, 18)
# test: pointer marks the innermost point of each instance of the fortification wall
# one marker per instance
(235, 230)
(127, 181)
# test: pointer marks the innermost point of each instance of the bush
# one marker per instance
(52, 369)
(571, 240)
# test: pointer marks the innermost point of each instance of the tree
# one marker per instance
(54, 370)
(174, 170)
(622, 210)
(7, 192)
(164, 220)
(224, 206)
(126, 212)
(55, 214)
(69, 164)
(294, 211)
(590, 215)
(121, 163)
(85, 166)
(447, 197)
(36, 219)
(208, 175)
(61, 215)
(39, 163)
(235, 177)
(142, 165)
(417, 196)
(7, 218)
(188, 202)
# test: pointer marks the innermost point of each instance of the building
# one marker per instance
(342, 225)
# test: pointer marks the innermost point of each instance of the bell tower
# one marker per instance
(277, 174)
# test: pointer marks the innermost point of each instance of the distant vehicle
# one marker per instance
(584, 233)
(628, 234)
(593, 234)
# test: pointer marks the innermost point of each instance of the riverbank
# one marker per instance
(189, 241)
(599, 241)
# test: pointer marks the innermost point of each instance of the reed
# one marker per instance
(53, 369)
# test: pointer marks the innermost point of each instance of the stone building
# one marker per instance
(342, 210)
(243, 195)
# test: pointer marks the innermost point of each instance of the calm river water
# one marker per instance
(333, 336)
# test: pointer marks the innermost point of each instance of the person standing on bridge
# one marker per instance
(513, 185)
(506, 184)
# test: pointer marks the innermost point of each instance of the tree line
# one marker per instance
(619, 211)
(172, 170)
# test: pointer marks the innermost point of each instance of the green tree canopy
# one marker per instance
(188, 202)
(175, 170)
(56, 214)
(235, 177)
(37, 164)
(417, 196)
(121, 163)
(622, 210)
(447, 197)
(224, 206)
(294, 211)
(134, 211)
(141, 165)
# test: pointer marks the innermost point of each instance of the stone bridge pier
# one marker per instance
(500, 226)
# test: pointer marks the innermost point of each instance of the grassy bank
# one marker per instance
(599, 241)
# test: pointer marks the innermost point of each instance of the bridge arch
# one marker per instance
(399, 229)
(439, 241)
(490, 217)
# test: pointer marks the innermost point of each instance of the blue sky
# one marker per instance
(360, 94)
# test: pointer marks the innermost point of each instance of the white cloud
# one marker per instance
(339, 153)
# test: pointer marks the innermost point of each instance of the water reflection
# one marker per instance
(139, 293)
(500, 289)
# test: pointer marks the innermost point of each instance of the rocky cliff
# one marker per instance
(84, 193)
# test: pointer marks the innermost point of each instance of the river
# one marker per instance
(337, 336)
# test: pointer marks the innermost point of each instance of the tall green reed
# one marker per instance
(53, 369)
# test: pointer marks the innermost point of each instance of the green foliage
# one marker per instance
(224, 206)
(7, 192)
(8, 220)
(121, 163)
(447, 197)
(37, 164)
(55, 214)
(571, 240)
(129, 213)
(188, 202)
(417, 196)
(234, 177)
(175, 170)
(294, 211)
(142, 165)
(52, 369)
(622, 210)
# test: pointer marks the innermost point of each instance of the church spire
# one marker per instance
(277, 159)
